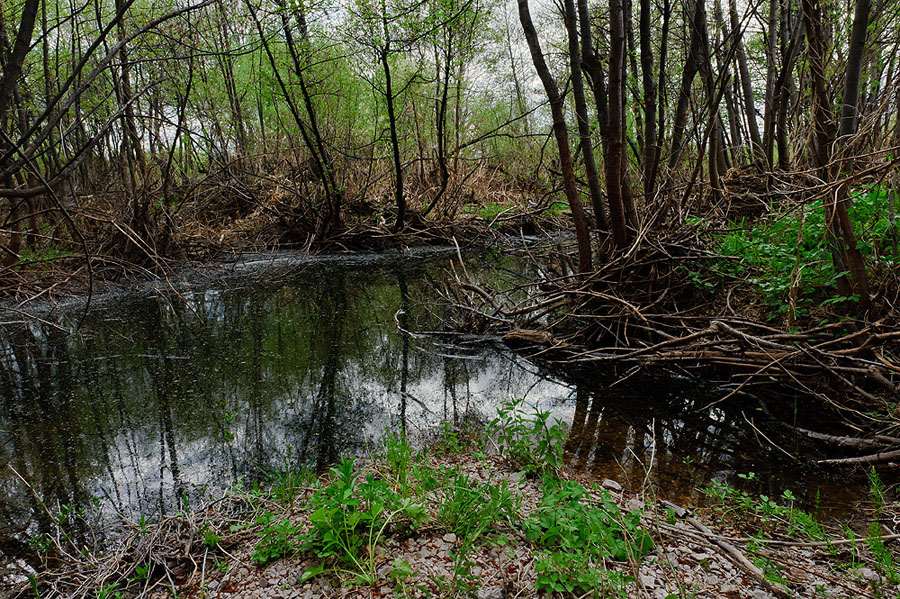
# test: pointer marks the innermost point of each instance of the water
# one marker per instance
(162, 396)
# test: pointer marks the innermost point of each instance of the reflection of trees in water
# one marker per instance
(623, 433)
(159, 394)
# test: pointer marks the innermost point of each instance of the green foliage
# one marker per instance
(566, 572)
(287, 484)
(210, 538)
(350, 518)
(529, 441)
(770, 513)
(398, 455)
(564, 522)
(46, 256)
(791, 248)
(577, 538)
(557, 208)
(278, 538)
(110, 592)
(469, 509)
(884, 559)
(449, 441)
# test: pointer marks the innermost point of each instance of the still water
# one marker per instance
(165, 394)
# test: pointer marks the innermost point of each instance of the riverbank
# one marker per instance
(481, 513)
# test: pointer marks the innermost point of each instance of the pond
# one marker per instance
(163, 396)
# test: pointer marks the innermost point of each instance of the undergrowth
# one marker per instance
(576, 532)
(785, 256)
(852, 552)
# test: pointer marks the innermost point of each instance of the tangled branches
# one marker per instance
(643, 310)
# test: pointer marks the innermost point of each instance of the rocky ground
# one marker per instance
(686, 560)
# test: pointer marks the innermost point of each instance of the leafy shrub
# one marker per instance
(565, 523)
(794, 243)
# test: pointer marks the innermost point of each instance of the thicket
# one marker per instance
(135, 131)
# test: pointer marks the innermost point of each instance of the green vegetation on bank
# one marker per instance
(480, 490)
(576, 529)
(774, 521)
(785, 254)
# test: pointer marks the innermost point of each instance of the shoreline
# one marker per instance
(488, 513)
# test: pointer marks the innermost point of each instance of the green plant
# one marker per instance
(448, 440)
(140, 573)
(566, 523)
(770, 570)
(529, 441)
(143, 523)
(278, 538)
(469, 509)
(566, 572)
(398, 455)
(210, 538)
(789, 249)
(884, 559)
(110, 592)
(350, 518)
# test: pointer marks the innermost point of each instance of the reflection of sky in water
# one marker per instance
(162, 395)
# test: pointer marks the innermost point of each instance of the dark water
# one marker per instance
(161, 395)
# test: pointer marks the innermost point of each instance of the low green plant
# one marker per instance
(770, 513)
(790, 248)
(566, 572)
(110, 592)
(278, 538)
(883, 558)
(210, 538)
(469, 509)
(771, 571)
(351, 516)
(398, 455)
(528, 440)
(565, 522)
(448, 440)
(47, 256)
(557, 208)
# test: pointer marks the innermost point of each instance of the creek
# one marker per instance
(165, 396)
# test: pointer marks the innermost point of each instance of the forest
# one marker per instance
(691, 203)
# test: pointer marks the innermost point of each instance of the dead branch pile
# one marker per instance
(642, 310)
(169, 554)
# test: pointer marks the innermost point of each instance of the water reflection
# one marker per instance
(163, 395)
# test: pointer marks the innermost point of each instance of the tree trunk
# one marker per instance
(561, 133)
(649, 158)
(770, 102)
(395, 142)
(616, 146)
(12, 68)
(842, 240)
(592, 70)
(854, 69)
(584, 128)
(746, 83)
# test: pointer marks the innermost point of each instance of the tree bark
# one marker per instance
(584, 128)
(650, 154)
(616, 146)
(561, 133)
(746, 83)
(12, 68)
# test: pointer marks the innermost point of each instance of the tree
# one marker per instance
(561, 133)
